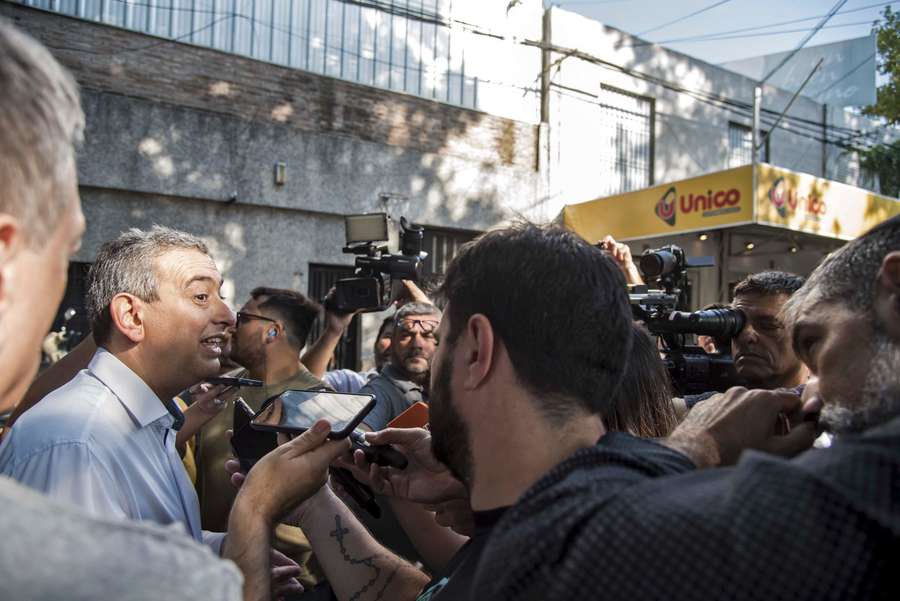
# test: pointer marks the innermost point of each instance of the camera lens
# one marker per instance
(657, 263)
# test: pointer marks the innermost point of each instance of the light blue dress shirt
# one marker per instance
(105, 442)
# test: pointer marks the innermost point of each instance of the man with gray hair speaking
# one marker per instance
(52, 550)
(106, 440)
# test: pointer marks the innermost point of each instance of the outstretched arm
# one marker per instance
(356, 565)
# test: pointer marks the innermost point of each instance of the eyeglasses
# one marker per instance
(244, 316)
(426, 326)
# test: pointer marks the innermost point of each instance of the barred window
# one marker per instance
(740, 145)
(402, 45)
(626, 140)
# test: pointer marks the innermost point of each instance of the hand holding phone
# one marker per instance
(383, 455)
(249, 445)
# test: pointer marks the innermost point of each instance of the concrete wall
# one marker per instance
(188, 137)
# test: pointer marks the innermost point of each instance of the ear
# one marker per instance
(478, 349)
(272, 332)
(127, 313)
(887, 295)
(11, 243)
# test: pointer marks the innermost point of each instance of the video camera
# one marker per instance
(691, 369)
(367, 289)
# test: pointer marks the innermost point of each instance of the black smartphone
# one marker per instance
(249, 445)
(295, 411)
(236, 382)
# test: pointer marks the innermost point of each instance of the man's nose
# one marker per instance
(748, 334)
(225, 316)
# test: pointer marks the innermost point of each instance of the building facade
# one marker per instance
(259, 124)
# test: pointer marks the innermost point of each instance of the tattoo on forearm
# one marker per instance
(369, 562)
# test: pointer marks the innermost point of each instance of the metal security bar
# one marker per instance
(740, 145)
(322, 279)
(401, 45)
(625, 147)
(441, 246)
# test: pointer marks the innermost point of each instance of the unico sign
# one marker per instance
(711, 204)
(700, 203)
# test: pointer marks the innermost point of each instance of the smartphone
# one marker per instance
(295, 411)
(236, 382)
(249, 445)
(414, 417)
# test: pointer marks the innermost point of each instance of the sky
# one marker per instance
(638, 16)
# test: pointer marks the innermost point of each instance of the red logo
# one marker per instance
(665, 208)
(788, 202)
(710, 204)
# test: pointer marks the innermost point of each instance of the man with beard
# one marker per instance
(270, 332)
(578, 335)
(404, 381)
(762, 352)
(824, 525)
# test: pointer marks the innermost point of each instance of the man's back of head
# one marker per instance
(762, 351)
(40, 215)
(558, 304)
(534, 340)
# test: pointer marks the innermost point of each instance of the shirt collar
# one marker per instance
(400, 380)
(142, 404)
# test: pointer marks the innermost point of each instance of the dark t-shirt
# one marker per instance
(455, 581)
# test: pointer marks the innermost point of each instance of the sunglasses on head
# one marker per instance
(426, 326)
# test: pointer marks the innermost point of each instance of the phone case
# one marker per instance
(249, 445)
(414, 417)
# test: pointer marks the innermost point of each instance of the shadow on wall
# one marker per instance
(180, 120)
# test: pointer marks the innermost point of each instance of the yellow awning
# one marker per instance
(783, 198)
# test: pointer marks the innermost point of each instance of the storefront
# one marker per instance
(787, 221)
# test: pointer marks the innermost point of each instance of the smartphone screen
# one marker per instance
(295, 411)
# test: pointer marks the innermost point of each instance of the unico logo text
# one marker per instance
(711, 204)
(787, 202)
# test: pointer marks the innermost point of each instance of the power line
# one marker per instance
(684, 18)
(757, 27)
(769, 33)
(741, 108)
(148, 46)
(840, 4)
(697, 94)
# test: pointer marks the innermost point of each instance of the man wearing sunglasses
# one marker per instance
(269, 334)
(404, 381)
